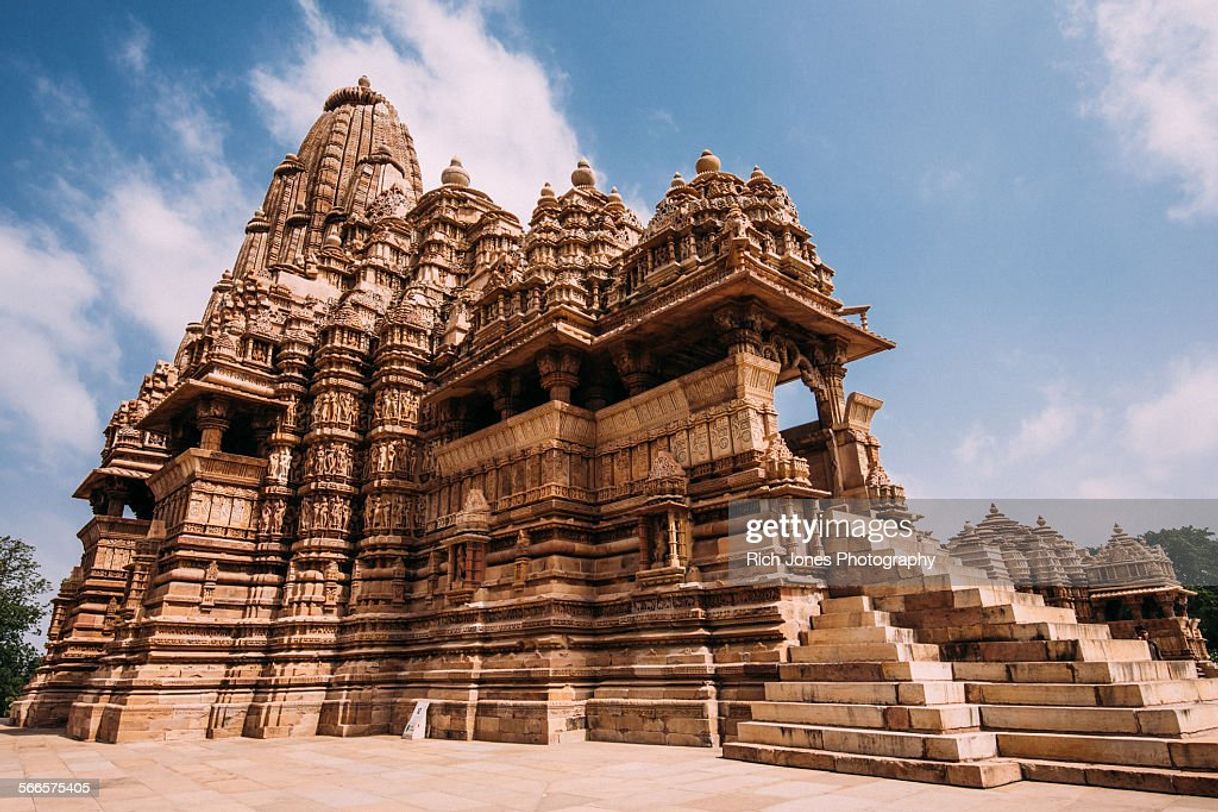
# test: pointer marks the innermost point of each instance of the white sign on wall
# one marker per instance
(416, 728)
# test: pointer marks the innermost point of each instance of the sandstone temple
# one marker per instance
(417, 450)
(1125, 583)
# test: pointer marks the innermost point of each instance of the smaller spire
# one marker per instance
(454, 174)
(615, 200)
(708, 162)
(583, 174)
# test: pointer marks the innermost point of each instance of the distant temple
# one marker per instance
(1126, 583)
(417, 456)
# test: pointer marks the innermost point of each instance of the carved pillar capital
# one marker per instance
(559, 370)
(741, 326)
(505, 392)
(637, 368)
(213, 416)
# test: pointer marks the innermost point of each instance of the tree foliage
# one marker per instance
(21, 611)
(1194, 553)
(1192, 550)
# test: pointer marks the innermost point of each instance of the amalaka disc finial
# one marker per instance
(708, 162)
(583, 175)
(454, 174)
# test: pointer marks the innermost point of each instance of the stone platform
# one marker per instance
(982, 687)
(383, 772)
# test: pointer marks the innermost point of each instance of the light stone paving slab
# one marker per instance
(384, 772)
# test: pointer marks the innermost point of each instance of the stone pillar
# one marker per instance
(742, 327)
(824, 374)
(213, 416)
(636, 367)
(505, 391)
(559, 370)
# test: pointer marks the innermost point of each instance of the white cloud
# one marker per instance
(1049, 430)
(49, 334)
(157, 231)
(460, 90)
(1179, 423)
(121, 238)
(134, 51)
(1161, 443)
(1159, 89)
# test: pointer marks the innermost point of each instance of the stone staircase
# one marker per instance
(978, 687)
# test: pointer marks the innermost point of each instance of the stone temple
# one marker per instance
(414, 450)
(1125, 583)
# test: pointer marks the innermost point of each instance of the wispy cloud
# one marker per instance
(1159, 442)
(124, 238)
(51, 335)
(460, 90)
(1158, 89)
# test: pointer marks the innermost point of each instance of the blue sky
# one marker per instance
(1027, 194)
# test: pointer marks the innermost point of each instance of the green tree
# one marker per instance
(1192, 550)
(21, 610)
(1194, 553)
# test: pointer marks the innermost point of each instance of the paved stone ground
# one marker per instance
(384, 772)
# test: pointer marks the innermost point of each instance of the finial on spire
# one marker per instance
(454, 174)
(708, 162)
(547, 190)
(583, 174)
(615, 200)
(677, 181)
(363, 81)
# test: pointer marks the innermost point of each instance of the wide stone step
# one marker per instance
(865, 672)
(957, 599)
(868, 693)
(929, 719)
(896, 744)
(1129, 751)
(1145, 779)
(857, 634)
(842, 620)
(847, 605)
(976, 774)
(981, 615)
(1013, 632)
(1093, 672)
(865, 652)
(1048, 650)
(1165, 721)
(1118, 695)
